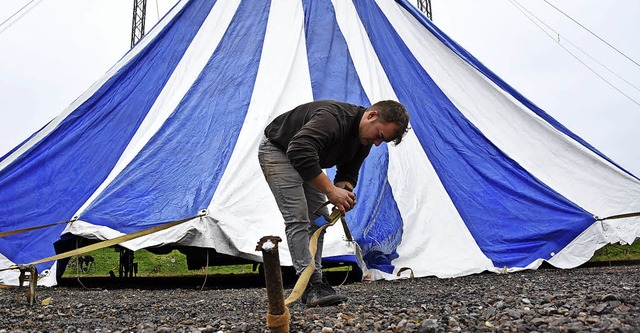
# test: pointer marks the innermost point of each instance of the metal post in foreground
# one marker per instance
(278, 314)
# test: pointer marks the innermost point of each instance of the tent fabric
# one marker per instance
(484, 180)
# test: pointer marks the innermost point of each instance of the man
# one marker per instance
(297, 146)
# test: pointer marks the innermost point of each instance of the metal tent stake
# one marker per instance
(277, 314)
(28, 273)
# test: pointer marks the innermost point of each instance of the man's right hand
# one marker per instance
(343, 199)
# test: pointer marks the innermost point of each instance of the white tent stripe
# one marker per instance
(246, 203)
(430, 218)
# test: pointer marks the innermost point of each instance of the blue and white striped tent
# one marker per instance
(484, 181)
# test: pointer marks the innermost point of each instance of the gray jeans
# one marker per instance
(297, 202)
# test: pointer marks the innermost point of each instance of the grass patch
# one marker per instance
(613, 252)
(149, 264)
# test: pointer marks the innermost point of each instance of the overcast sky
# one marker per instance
(56, 50)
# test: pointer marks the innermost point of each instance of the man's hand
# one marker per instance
(345, 185)
(343, 199)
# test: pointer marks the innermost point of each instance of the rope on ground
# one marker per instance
(206, 271)
(411, 276)
(346, 277)
(78, 268)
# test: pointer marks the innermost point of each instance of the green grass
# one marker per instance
(613, 252)
(149, 264)
(175, 263)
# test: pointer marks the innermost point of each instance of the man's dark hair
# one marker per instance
(393, 112)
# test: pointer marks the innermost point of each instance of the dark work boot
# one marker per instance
(321, 294)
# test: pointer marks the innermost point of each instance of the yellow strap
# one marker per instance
(19, 231)
(108, 242)
(304, 277)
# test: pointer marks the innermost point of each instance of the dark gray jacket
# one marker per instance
(321, 134)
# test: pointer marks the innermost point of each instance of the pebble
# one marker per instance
(575, 300)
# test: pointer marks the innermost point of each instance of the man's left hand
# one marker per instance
(345, 185)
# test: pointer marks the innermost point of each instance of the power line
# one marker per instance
(16, 13)
(522, 10)
(591, 32)
(575, 46)
(157, 11)
(4, 27)
(603, 65)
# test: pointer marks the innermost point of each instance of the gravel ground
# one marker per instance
(545, 300)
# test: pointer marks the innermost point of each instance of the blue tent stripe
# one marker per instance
(469, 58)
(333, 75)
(382, 235)
(57, 175)
(375, 223)
(153, 187)
(514, 218)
